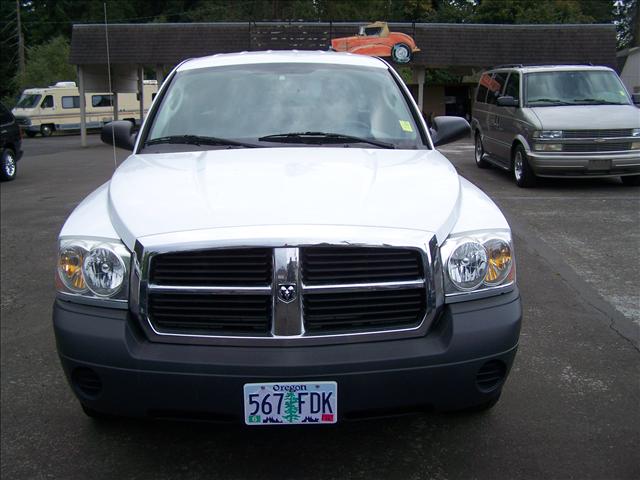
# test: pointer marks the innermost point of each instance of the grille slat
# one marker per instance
(222, 314)
(220, 267)
(349, 311)
(336, 265)
(610, 133)
(596, 147)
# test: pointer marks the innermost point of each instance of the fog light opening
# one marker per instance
(491, 375)
(86, 381)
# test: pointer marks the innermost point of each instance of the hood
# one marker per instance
(588, 117)
(152, 194)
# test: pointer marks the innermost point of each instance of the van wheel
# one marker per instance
(46, 130)
(401, 53)
(479, 152)
(30, 134)
(631, 180)
(522, 173)
(8, 168)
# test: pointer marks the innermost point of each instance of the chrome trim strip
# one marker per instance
(287, 315)
(354, 287)
(266, 290)
(484, 293)
(94, 301)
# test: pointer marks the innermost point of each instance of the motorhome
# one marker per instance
(45, 110)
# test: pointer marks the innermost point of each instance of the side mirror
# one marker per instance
(507, 101)
(449, 129)
(119, 133)
(636, 98)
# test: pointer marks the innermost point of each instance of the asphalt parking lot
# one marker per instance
(570, 408)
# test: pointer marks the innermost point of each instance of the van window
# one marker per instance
(495, 86)
(28, 100)
(513, 86)
(47, 102)
(102, 100)
(71, 102)
(483, 85)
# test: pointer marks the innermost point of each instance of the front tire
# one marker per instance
(631, 180)
(8, 165)
(401, 53)
(46, 130)
(479, 153)
(522, 173)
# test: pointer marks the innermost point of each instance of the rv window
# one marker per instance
(71, 102)
(47, 102)
(28, 100)
(101, 100)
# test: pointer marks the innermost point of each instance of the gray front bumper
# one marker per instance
(603, 164)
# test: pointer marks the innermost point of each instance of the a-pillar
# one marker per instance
(141, 91)
(83, 107)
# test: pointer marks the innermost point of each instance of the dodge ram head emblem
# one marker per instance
(286, 292)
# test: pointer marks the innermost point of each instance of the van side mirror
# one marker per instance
(119, 133)
(636, 98)
(507, 101)
(449, 129)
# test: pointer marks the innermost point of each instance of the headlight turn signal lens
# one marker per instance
(70, 268)
(499, 261)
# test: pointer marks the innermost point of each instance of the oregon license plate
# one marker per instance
(290, 403)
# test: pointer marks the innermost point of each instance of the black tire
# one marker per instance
(631, 180)
(522, 173)
(47, 130)
(401, 53)
(8, 165)
(30, 134)
(479, 152)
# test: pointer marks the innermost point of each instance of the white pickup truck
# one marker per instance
(285, 245)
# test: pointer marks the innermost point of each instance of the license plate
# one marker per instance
(290, 403)
(599, 164)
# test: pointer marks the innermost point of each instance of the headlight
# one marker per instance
(635, 132)
(478, 264)
(547, 134)
(95, 269)
(635, 145)
(548, 147)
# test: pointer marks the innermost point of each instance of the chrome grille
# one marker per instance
(332, 290)
(610, 133)
(596, 147)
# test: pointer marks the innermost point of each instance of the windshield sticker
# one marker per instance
(406, 126)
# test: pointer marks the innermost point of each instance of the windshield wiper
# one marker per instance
(551, 100)
(197, 140)
(598, 100)
(321, 137)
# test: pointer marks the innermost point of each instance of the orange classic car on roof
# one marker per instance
(376, 39)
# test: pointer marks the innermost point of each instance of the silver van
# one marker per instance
(556, 121)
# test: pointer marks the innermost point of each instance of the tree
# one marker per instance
(47, 64)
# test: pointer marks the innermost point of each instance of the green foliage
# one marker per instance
(46, 64)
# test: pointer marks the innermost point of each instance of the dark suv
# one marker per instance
(11, 144)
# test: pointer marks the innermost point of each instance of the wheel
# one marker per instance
(30, 134)
(8, 168)
(46, 130)
(631, 180)
(401, 53)
(522, 173)
(479, 152)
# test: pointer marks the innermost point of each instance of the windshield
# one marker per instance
(248, 102)
(583, 87)
(28, 100)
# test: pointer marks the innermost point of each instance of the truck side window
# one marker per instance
(101, 100)
(5, 116)
(71, 102)
(47, 102)
(513, 86)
